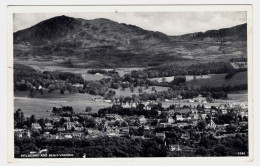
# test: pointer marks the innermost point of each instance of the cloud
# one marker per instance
(171, 23)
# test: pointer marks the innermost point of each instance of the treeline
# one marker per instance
(97, 147)
(230, 146)
(232, 73)
(139, 110)
(220, 92)
(26, 78)
(176, 69)
(242, 59)
(104, 72)
(63, 111)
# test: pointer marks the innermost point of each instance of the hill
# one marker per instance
(105, 43)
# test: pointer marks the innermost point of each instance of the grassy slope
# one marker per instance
(219, 80)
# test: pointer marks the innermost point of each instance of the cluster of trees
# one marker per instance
(220, 92)
(176, 69)
(139, 110)
(104, 72)
(20, 120)
(97, 147)
(169, 94)
(229, 146)
(232, 73)
(29, 79)
(63, 111)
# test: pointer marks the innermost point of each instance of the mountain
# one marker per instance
(106, 43)
(86, 33)
(238, 33)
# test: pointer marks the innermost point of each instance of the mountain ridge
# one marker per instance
(107, 43)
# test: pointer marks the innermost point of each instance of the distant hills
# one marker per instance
(106, 43)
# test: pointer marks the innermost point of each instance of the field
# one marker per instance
(234, 97)
(218, 80)
(40, 104)
(188, 78)
(127, 91)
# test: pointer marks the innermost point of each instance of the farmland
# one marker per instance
(40, 104)
(218, 80)
(210, 80)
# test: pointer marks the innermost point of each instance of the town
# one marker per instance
(179, 128)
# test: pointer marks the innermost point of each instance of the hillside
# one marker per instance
(105, 43)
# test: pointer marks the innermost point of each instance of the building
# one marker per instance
(48, 126)
(174, 148)
(160, 135)
(179, 118)
(36, 126)
(142, 119)
(212, 124)
(22, 133)
(170, 120)
(69, 125)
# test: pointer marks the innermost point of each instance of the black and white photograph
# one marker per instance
(123, 83)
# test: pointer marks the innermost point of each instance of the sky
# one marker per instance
(170, 23)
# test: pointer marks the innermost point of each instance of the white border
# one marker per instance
(60, 9)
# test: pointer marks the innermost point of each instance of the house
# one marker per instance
(170, 120)
(207, 106)
(36, 126)
(68, 135)
(46, 134)
(182, 124)
(163, 125)
(194, 111)
(61, 129)
(224, 111)
(179, 118)
(212, 124)
(111, 116)
(160, 135)
(48, 126)
(55, 120)
(203, 116)
(96, 98)
(75, 118)
(146, 127)
(142, 119)
(22, 133)
(207, 111)
(77, 134)
(79, 128)
(107, 101)
(69, 125)
(66, 119)
(124, 130)
(174, 148)
(195, 116)
(185, 136)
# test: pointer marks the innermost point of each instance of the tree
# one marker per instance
(201, 151)
(209, 99)
(201, 125)
(19, 118)
(163, 79)
(231, 128)
(132, 89)
(140, 90)
(62, 91)
(88, 109)
(32, 119)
